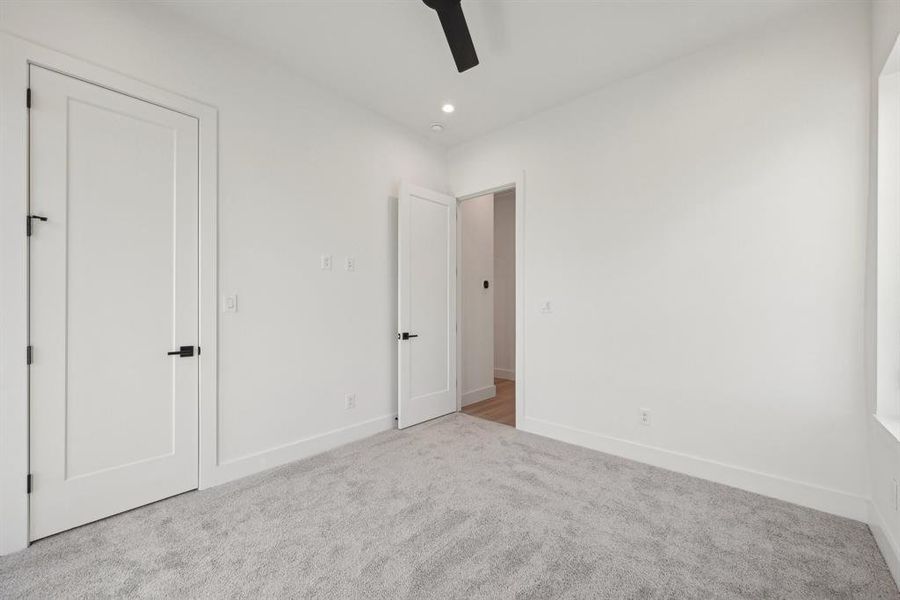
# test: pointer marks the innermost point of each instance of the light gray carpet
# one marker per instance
(459, 508)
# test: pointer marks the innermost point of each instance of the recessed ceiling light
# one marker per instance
(437, 127)
(448, 108)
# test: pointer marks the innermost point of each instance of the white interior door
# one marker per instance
(427, 305)
(113, 289)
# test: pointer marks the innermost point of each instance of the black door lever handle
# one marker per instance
(183, 351)
(406, 336)
(29, 219)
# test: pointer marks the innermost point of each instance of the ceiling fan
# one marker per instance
(457, 31)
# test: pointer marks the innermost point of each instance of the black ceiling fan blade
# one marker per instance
(457, 32)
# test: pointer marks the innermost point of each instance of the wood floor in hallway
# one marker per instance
(501, 408)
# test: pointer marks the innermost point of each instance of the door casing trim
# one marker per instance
(16, 57)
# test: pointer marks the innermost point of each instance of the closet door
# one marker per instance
(113, 291)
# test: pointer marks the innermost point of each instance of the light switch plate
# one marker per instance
(229, 304)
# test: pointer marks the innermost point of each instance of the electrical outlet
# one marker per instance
(645, 416)
(326, 262)
(229, 304)
(350, 401)
(350, 264)
(546, 308)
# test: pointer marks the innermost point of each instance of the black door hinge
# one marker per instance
(28, 98)
(28, 484)
(28, 353)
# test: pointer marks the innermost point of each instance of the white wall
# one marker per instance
(505, 284)
(302, 173)
(476, 318)
(884, 447)
(700, 231)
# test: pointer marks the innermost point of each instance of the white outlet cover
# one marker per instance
(229, 303)
(350, 401)
(326, 262)
(645, 416)
(350, 264)
(546, 308)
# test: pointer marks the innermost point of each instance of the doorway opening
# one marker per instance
(487, 306)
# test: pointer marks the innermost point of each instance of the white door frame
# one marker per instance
(16, 55)
(517, 183)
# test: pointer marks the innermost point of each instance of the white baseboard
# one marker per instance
(805, 494)
(479, 395)
(505, 374)
(887, 541)
(273, 457)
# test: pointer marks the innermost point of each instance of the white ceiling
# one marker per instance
(391, 56)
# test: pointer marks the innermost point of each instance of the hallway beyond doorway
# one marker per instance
(501, 408)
